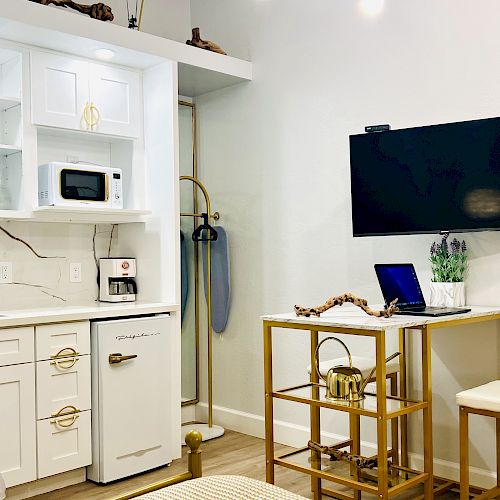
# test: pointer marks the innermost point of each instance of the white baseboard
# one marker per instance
(297, 435)
(188, 413)
(46, 485)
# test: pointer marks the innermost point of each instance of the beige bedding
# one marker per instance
(222, 488)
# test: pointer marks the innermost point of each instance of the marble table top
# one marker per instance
(349, 316)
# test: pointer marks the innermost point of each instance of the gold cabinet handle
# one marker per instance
(94, 122)
(87, 115)
(117, 357)
(68, 413)
(65, 358)
(65, 353)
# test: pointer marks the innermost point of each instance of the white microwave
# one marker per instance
(76, 184)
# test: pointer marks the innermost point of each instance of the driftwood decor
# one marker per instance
(196, 41)
(98, 11)
(341, 299)
(359, 461)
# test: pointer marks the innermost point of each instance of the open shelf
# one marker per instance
(200, 71)
(338, 471)
(305, 394)
(13, 215)
(6, 149)
(88, 214)
(9, 102)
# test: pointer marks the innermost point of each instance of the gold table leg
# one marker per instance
(315, 417)
(403, 392)
(383, 470)
(268, 387)
(427, 413)
(463, 419)
(355, 435)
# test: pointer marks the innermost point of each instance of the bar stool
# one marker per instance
(482, 400)
(365, 365)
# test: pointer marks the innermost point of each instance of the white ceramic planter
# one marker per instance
(447, 294)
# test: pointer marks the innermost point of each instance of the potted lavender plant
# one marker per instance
(449, 265)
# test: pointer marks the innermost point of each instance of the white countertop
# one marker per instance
(96, 310)
(349, 316)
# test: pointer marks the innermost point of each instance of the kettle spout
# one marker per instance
(370, 375)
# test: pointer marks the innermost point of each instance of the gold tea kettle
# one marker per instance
(345, 383)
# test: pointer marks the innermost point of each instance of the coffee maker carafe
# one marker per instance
(116, 280)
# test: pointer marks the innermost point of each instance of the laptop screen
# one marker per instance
(400, 281)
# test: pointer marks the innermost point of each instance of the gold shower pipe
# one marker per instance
(215, 216)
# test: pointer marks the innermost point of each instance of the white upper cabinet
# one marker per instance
(115, 99)
(75, 94)
(59, 91)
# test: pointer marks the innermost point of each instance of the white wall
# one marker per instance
(274, 156)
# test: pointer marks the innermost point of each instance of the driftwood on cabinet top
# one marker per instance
(387, 312)
(196, 41)
(96, 11)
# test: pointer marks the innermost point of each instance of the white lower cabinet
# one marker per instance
(44, 425)
(17, 424)
(64, 443)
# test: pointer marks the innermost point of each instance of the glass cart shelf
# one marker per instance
(307, 393)
(400, 478)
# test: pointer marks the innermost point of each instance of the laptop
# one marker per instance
(400, 281)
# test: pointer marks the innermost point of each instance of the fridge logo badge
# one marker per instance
(135, 336)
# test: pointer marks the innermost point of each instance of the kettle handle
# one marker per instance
(316, 355)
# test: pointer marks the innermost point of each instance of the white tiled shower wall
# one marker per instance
(64, 244)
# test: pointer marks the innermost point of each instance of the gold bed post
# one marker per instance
(193, 440)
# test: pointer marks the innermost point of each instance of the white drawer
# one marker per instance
(62, 448)
(62, 382)
(52, 339)
(16, 345)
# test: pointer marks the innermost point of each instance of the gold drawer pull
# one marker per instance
(68, 413)
(63, 354)
(65, 358)
(59, 421)
(117, 357)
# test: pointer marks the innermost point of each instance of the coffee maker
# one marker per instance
(116, 280)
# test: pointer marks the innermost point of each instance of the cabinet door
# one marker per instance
(59, 90)
(17, 424)
(116, 93)
(64, 443)
(61, 383)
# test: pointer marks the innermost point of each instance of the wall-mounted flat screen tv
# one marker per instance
(426, 179)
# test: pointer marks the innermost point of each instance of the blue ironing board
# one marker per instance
(221, 279)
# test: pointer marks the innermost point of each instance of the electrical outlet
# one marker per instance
(5, 272)
(75, 272)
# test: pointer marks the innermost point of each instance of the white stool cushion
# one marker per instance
(484, 397)
(365, 365)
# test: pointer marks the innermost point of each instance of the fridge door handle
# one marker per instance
(117, 357)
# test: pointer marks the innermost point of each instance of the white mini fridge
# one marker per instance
(131, 397)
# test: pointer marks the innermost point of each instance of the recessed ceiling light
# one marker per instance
(104, 54)
(371, 7)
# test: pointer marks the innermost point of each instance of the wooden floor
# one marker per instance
(233, 453)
